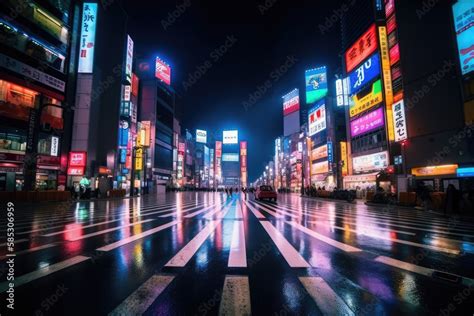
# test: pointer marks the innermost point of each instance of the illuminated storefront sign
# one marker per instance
(362, 103)
(365, 73)
(319, 152)
(129, 60)
(143, 138)
(399, 121)
(139, 159)
(330, 152)
(162, 71)
(320, 167)
(373, 162)
(201, 136)
(291, 102)
(394, 54)
(345, 169)
(77, 162)
(230, 157)
(387, 79)
(465, 172)
(135, 84)
(434, 170)
(316, 84)
(87, 40)
(463, 12)
(367, 123)
(361, 49)
(230, 137)
(54, 146)
(317, 118)
(127, 90)
(123, 133)
(243, 163)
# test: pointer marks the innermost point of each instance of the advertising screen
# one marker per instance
(230, 137)
(367, 101)
(316, 84)
(162, 71)
(361, 49)
(367, 123)
(373, 162)
(463, 12)
(87, 41)
(317, 118)
(201, 136)
(230, 157)
(291, 102)
(365, 73)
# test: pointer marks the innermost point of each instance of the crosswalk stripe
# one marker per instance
(32, 276)
(366, 230)
(188, 251)
(238, 211)
(332, 242)
(327, 300)
(191, 215)
(254, 211)
(140, 300)
(291, 255)
(130, 239)
(235, 296)
(269, 211)
(404, 265)
(238, 254)
(186, 211)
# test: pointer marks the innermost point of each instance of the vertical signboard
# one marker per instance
(162, 71)
(218, 155)
(129, 60)
(243, 163)
(400, 121)
(387, 79)
(344, 167)
(317, 118)
(291, 102)
(87, 40)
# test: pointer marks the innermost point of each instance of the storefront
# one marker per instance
(437, 178)
(361, 183)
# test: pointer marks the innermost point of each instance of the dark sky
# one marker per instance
(263, 43)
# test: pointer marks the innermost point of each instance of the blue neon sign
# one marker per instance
(364, 74)
(465, 172)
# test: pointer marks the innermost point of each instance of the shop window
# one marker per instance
(21, 41)
(12, 139)
(16, 101)
(52, 117)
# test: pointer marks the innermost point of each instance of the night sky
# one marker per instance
(288, 32)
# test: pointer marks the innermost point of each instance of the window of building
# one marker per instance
(16, 101)
(370, 141)
(12, 139)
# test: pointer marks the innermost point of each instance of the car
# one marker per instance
(265, 192)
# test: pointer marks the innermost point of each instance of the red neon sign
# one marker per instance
(361, 49)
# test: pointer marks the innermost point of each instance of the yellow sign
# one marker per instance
(320, 167)
(368, 101)
(139, 159)
(345, 168)
(387, 80)
(434, 170)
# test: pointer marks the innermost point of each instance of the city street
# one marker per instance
(199, 253)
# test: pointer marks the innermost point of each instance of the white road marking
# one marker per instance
(188, 251)
(327, 300)
(238, 254)
(404, 265)
(140, 300)
(238, 211)
(291, 255)
(365, 230)
(332, 242)
(254, 211)
(201, 211)
(136, 237)
(235, 296)
(186, 211)
(32, 276)
(269, 211)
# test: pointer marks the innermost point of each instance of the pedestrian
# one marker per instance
(231, 191)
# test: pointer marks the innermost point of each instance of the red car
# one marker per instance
(265, 192)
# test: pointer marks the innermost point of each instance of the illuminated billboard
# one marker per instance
(365, 73)
(399, 120)
(320, 167)
(361, 49)
(230, 157)
(372, 162)
(367, 123)
(87, 40)
(291, 102)
(129, 60)
(316, 84)
(463, 13)
(230, 137)
(317, 118)
(162, 71)
(201, 136)
(367, 101)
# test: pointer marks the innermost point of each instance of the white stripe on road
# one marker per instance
(332, 242)
(279, 211)
(29, 277)
(238, 211)
(293, 257)
(365, 230)
(404, 265)
(218, 211)
(188, 251)
(327, 300)
(254, 211)
(186, 211)
(269, 211)
(105, 231)
(140, 300)
(128, 240)
(238, 254)
(235, 296)
(200, 211)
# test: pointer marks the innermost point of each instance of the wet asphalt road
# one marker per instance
(206, 254)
